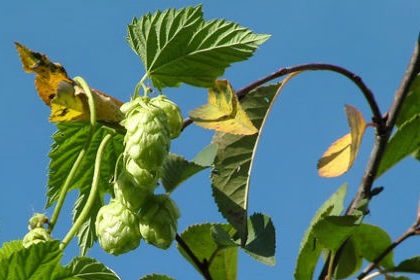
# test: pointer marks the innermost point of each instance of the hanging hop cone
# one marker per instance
(130, 192)
(159, 221)
(117, 228)
(172, 112)
(147, 139)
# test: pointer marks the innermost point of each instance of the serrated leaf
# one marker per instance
(411, 265)
(371, 241)
(350, 262)
(222, 260)
(221, 237)
(37, 262)
(179, 46)
(230, 174)
(340, 156)
(403, 143)
(90, 269)
(223, 112)
(261, 242)
(69, 141)
(176, 169)
(9, 248)
(332, 231)
(310, 249)
(156, 277)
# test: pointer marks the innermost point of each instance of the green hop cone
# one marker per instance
(147, 140)
(37, 220)
(36, 235)
(173, 114)
(117, 228)
(159, 221)
(131, 193)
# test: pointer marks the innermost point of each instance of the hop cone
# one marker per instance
(172, 112)
(131, 193)
(117, 228)
(159, 221)
(147, 139)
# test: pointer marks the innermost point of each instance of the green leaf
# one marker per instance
(371, 241)
(69, 141)
(222, 260)
(403, 143)
(332, 231)
(223, 238)
(232, 166)
(179, 46)
(350, 262)
(411, 104)
(8, 248)
(310, 249)
(38, 262)
(261, 242)
(176, 169)
(411, 265)
(156, 277)
(90, 269)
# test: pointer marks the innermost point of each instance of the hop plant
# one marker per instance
(172, 112)
(133, 193)
(159, 221)
(147, 139)
(117, 228)
(36, 235)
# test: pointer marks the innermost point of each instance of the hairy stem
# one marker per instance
(92, 194)
(202, 266)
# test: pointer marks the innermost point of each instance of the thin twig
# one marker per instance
(413, 230)
(377, 116)
(202, 266)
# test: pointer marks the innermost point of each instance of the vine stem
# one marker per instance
(81, 155)
(383, 133)
(92, 194)
(367, 93)
(202, 266)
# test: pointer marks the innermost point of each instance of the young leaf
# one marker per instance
(371, 241)
(310, 249)
(179, 46)
(411, 265)
(223, 112)
(261, 242)
(156, 277)
(38, 261)
(230, 174)
(89, 269)
(340, 156)
(332, 231)
(403, 143)
(222, 260)
(350, 262)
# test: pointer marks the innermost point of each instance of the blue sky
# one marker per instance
(371, 38)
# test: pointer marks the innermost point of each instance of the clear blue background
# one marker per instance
(372, 38)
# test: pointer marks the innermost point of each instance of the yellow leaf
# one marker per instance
(67, 100)
(223, 112)
(340, 156)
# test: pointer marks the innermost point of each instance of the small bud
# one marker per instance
(36, 235)
(159, 221)
(117, 228)
(38, 220)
